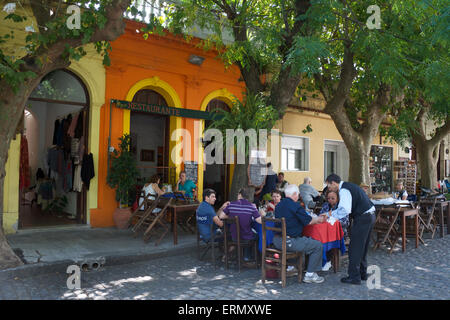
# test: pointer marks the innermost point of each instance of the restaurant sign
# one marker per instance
(167, 111)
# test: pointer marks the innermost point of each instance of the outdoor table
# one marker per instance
(406, 212)
(441, 205)
(331, 236)
(178, 208)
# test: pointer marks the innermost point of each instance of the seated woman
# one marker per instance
(153, 189)
(270, 208)
(332, 204)
(400, 191)
(188, 187)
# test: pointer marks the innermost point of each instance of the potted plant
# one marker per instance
(122, 176)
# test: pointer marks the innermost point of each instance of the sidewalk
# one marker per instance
(54, 249)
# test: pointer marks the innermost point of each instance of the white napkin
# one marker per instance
(331, 220)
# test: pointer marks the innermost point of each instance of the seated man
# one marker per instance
(247, 213)
(206, 215)
(308, 193)
(282, 184)
(188, 187)
(296, 218)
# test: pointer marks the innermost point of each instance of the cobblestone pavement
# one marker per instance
(422, 273)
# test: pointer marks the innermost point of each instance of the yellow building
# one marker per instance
(322, 151)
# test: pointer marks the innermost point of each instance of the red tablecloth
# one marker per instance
(324, 232)
(332, 236)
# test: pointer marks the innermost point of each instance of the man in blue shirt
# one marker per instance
(296, 218)
(206, 215)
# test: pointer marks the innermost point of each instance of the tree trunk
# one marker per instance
(359, 170)
(428, 156)
(240, 180)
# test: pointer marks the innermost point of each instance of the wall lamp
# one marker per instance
(197, 60)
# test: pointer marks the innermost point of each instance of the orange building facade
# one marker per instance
(158, 68)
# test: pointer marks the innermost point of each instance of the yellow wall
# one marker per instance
(11, 187)
(323, 128)
(91, 71)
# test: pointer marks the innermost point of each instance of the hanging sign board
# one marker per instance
(191, 168)
(167, 111)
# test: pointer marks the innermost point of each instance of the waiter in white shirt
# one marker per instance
(354, 202)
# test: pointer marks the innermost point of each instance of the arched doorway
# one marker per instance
(150, 138)
(54, 142)
(216, 176)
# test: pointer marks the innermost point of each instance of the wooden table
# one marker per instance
(176, 208)
(441, 205)
(406, 212)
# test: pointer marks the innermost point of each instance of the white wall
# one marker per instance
(45, 116)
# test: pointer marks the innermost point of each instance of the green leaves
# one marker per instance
(252, 113)
(305, 54)
(123, 173)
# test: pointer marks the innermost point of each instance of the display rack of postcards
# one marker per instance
(406, 171)
(381, 166)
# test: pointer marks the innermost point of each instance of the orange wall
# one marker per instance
(134, 59)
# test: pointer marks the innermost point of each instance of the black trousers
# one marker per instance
(359, 244)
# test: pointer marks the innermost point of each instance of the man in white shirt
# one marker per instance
(353, 201)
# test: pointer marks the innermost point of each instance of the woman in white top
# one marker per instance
(153, 189)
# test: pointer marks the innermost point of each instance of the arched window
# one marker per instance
(61, 85)
(149, 96)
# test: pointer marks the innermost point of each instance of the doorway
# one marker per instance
(53, 144)
(216, 176)
(150, 139)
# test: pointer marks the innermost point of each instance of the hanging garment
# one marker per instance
(24, 179)
(55, 132)
(73, 124)
(80, 125)
(81, 148)
(87, 169)
(74, 150)
(77, 182)
(39, 174)
(66, 137)
(67, 177)
(60, 134)
(52, 159)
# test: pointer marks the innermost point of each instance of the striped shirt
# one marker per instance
(246, 212)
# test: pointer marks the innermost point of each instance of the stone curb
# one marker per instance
(40, 268)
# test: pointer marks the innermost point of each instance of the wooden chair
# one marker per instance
(239, 243)
(211, 244)
(427, 217)
(151, 218)
(139, 215)
(280, 263)
(386, 227)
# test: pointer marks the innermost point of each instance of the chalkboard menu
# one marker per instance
(191, 168)
(256, 172)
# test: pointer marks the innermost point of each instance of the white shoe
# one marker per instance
(290, 268)
(327, 266)
(314, 278)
